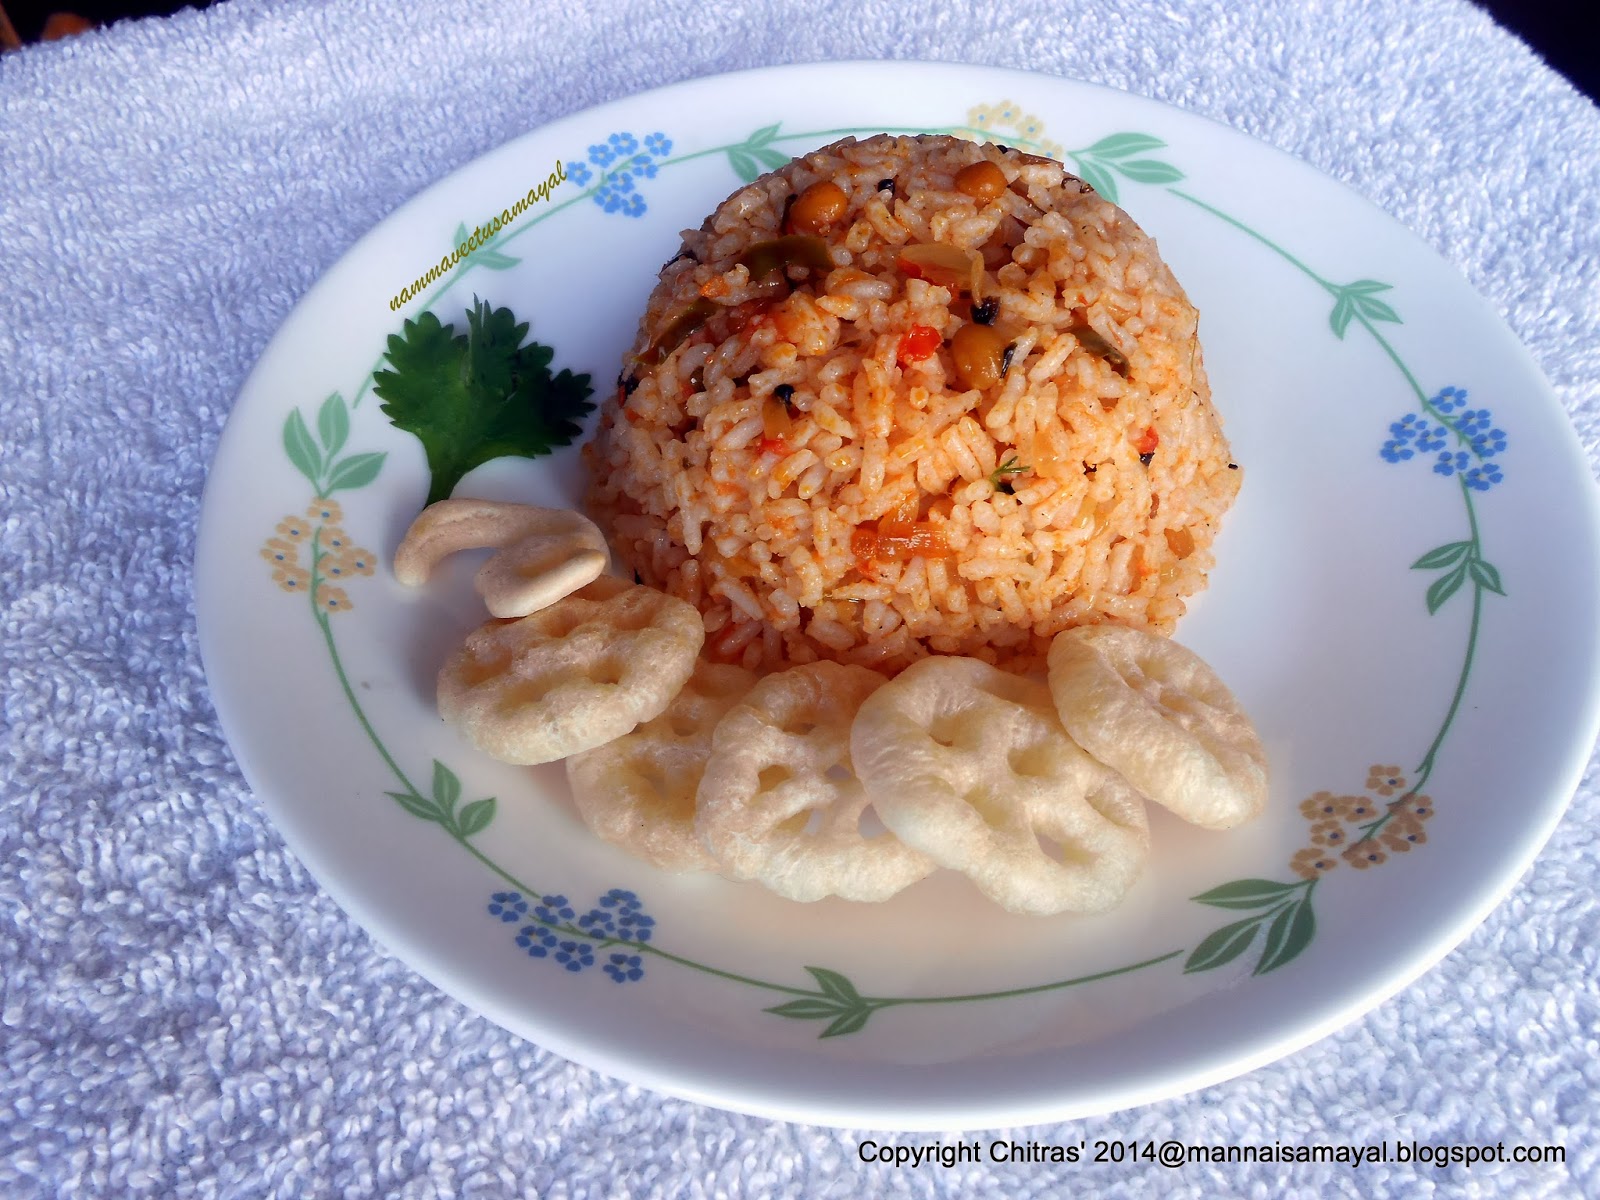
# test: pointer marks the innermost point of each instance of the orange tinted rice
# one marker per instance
(795, 450)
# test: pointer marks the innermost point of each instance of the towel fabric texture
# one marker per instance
(183, 1011)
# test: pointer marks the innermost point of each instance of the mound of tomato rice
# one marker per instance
(914, 395)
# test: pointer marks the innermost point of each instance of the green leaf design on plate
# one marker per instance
(1148, 170)
(485, 255)
(417, 806)
(1247, 893)
(1343, 313)
(851, 1022)
(838, 1003)
(1442, 556)
(814, 1008)
(1120, 145)
(1485, 576)
(475, 817)
(1444, 587)
(333, 424)
(749, 156)
(835, 985)
(301, 447)
(356, 471)
(1099, 165)
(1096, 177)
(1291, 931)
(446, 787)
(1223, 946)
(1357, 299)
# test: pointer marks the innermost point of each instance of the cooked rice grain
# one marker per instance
(766, 508)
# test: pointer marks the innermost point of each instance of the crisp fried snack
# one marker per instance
(1153, 710)
(779, 802)
(638, 792)
(572, 676)
(544, 553)
(970, 765)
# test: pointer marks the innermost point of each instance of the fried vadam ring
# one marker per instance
(779, 802)
(638, 792)
(543, 553)
(970, 765)
(1156, 712)
(572, 676)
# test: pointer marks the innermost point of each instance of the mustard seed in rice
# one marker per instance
(955, 415)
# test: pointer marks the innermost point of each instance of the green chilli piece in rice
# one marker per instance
(888, 402)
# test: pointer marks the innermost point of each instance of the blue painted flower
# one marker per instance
(1431, 437)
(1395, 451)
(635, 927)
(554, 911)
(508, 906)
(625, 968)
(1483, 476)
(537, 940)
(1406, 427)
(618, 917)
(622, 164)
(575, 956)
(1489, 443)
(1472, 428)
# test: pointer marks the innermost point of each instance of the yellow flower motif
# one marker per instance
(326, 511)
(1319, 807)
(292, 579)
(333, 599)
(1385, 780)
(334, 567)
(1365, 853)
(281, 552)
(1356, 809)
(1403, 832)
(1053, 150)
(358, 561)
(980, 115)
(1328, 833)
(1311, 862)
(1420, 807)
(295, 529)
(1006, 122)
(333, 540)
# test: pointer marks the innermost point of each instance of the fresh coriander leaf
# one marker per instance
(480, 395)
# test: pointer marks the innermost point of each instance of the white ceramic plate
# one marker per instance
(1325, 325)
